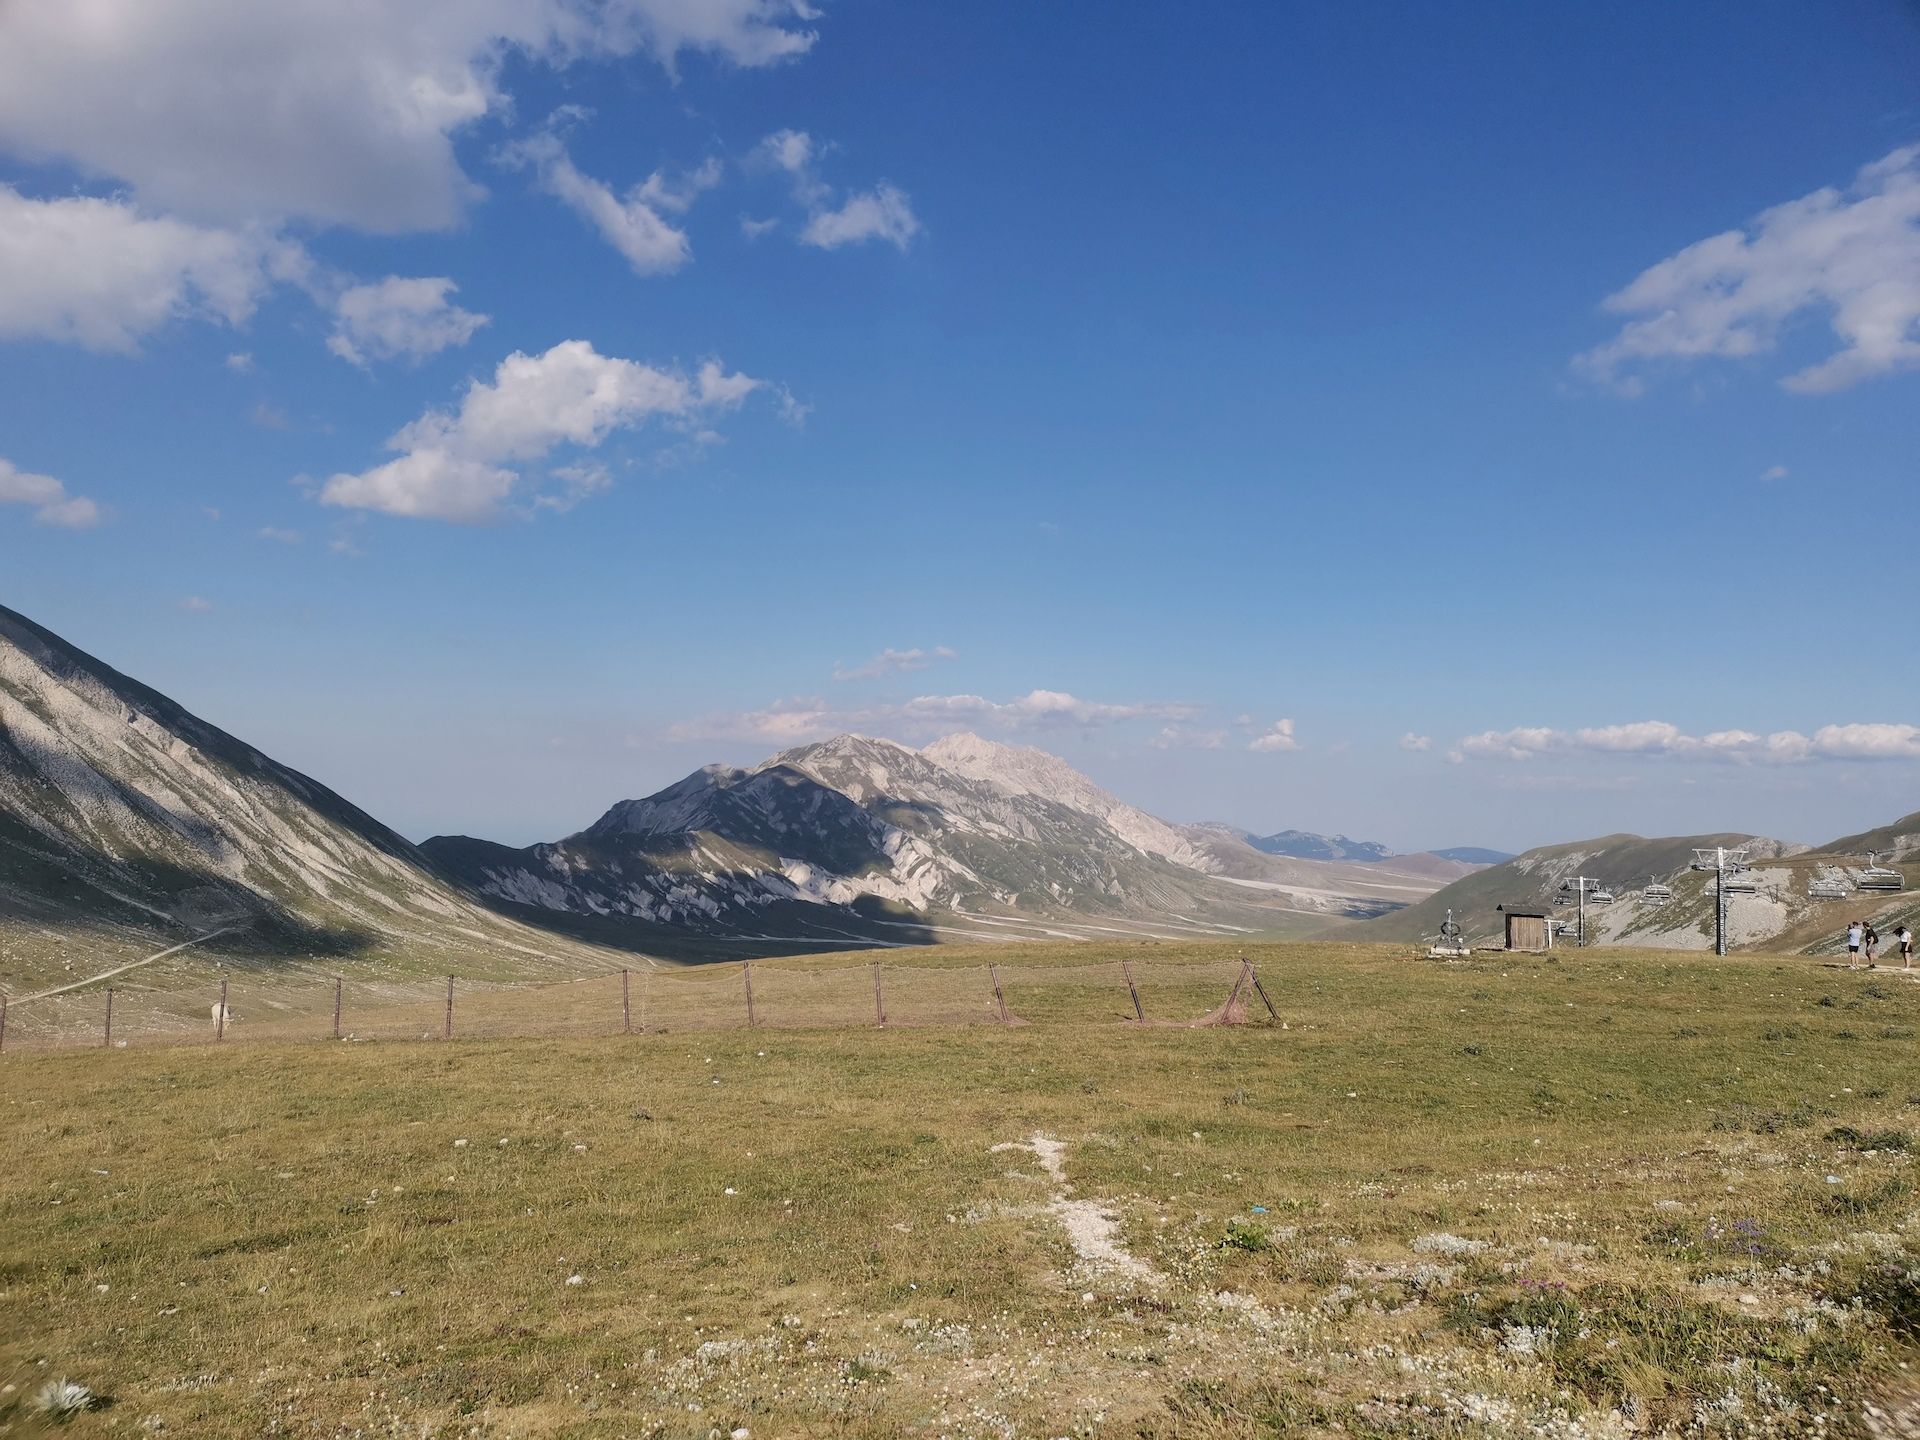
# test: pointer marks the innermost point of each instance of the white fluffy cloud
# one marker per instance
(399, 318)
(461, 464)
(893, 662)
(51, 503)
(1277, 736)
(1657, 737)
(1419, 743)
(1853, 256)
(882, 213)
(101, 274)
(792, 151)
(792, 721)
(340, 111)
(104, 275)
(632, 223)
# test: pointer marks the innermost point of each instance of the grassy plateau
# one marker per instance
(1600, 1193)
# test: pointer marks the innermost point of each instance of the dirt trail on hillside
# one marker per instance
(122, 969)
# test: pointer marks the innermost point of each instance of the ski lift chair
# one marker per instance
(1880, 877)
(1656, 894)
(1827, 887)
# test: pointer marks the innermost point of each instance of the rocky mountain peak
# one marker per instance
(1024, 770)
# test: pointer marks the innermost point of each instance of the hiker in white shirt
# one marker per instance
(1854, 933)
(1904, 937)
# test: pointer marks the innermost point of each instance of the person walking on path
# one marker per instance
(1854, 933)
(1904, 938)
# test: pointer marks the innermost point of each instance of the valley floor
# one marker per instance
(1603, 1194)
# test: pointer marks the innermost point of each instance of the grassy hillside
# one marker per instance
(1901, 838)
(1589, 1196)
(1622, 861)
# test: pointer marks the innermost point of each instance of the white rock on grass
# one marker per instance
(1441, 1243)
(62, 1399)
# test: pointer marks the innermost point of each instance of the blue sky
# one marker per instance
(1446, 426)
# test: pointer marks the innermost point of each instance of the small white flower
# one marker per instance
(731, 1191)
(576, 1279)
(459, 1144)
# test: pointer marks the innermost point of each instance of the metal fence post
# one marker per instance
(3, 1022)
(1126, 969)
(220, 1016)
(626, 1002)
(1254, 975)
(879, 1005)
(999, 997)
(746, 971)
(447, 1032)
(336, 1007)
(108, 1042)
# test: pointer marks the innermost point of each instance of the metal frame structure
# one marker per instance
(1878, 877)
(1832, 886)
(1451, 943)
(1656, 892)
(1577, 889)
(1722, 862)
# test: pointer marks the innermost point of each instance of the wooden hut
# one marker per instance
(1529, 928)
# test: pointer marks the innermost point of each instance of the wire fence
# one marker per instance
(252, 1007)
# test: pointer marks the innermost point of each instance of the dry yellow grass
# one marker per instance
(1599, 1194)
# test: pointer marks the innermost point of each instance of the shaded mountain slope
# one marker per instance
(127, 819)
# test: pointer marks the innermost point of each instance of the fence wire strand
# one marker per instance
(302, 1005)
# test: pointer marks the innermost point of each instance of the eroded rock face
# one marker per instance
(856, 834)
